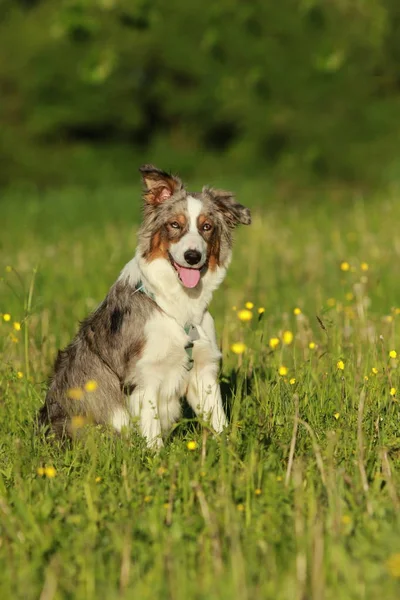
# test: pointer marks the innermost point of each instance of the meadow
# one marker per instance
(299, 499)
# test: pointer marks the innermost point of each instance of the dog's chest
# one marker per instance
(166, 359)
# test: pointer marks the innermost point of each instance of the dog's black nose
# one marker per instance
(192, 257)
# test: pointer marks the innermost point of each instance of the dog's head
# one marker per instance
(193, 231)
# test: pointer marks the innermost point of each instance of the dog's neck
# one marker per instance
(186, 306)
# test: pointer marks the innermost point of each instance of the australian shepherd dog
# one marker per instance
(152, 340)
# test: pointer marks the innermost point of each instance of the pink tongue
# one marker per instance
(189, 277)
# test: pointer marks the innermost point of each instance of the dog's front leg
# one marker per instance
(204, 396)
(143, 406)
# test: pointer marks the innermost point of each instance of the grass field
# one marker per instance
(300, 500)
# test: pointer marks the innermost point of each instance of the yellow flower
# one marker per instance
(7, 317)
(238, 348)
(261, 310)
(192, 445)
(17, 326)
(148, 498)
(245, 315)
(287, 337)
(349, 296)
(312, 345)
(98, 479)
(13, 338)
(393, 564)
(340, 365)
(331, 302)
(387, 319)
(257, 491)
(40, 471)
(283, 371)
(297, 311)
(345, 266)
(91, 385)
(397, 311)
(240, 507)
(392, 391)
(366, 377)
(279, 477)
(374, 371)
(8, 269)
(292, 381)
(364, 266)
(336, 415)
(274, 343)
(393, 354)
(20, 374)
(78, 421)
(346, 520)
(75, 393)
(249, 305)
(50, 472)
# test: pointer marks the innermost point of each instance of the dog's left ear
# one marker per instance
(233, 212)
(158, 185)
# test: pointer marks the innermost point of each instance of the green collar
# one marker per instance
(190, 329)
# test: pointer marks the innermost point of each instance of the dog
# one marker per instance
(152, 340)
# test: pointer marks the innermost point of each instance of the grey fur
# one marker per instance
(106, 348)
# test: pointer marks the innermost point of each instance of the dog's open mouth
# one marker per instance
(189, 276)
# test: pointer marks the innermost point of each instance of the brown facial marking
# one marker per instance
(158, 247)
(176, 227)
(208, 231)
(169, 234)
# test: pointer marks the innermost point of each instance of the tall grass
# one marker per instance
(300, 498)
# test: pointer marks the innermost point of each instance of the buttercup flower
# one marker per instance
(192, 445)
(297, 311)
(340, 365)
(257, 492)
(393, 564)
(91, 385)
(349, 296)
(7, 317)
(17, 326)
(364, 266)
(78, 421)
(345, 266)
(374, 371)
(261, 310)
(312, 345)
(50, 472)
(392, 391)
(393, 354)
(249, 305)
(245, 315)
(238, 348)
(20, 374)
(292, 381)
(75, 393)
(336, 415)
(287, 337)
(283, 371)
(274, 343)
(331, 302)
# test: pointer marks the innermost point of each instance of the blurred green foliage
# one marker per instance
(294, 86)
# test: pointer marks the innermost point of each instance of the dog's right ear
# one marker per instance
(158, 185)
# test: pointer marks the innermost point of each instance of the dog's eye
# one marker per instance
(175, 225)
(207, 227)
